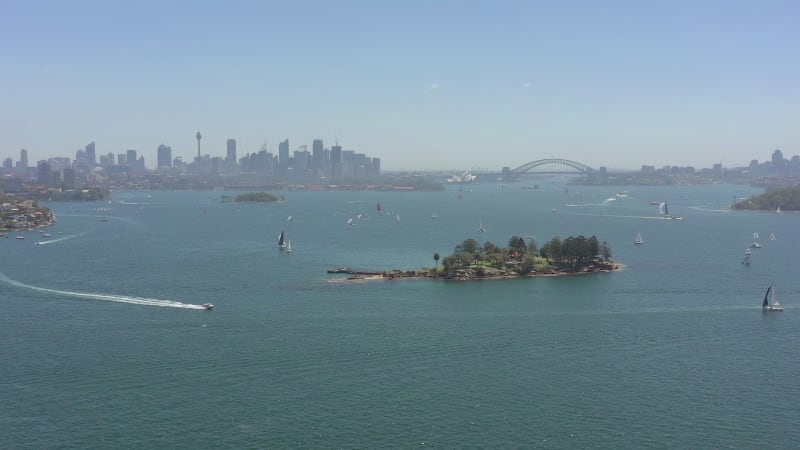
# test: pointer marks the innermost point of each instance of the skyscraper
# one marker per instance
(23, 160)
(91, 157)
(336, 161)
(283, 154)
(231, 151)
(164, 156)
(317, 155)
(130, 158)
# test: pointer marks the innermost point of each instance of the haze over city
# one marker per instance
(422, 85)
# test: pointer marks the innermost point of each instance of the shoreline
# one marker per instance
(363, 276)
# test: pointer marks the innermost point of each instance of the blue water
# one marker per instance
(101, 344)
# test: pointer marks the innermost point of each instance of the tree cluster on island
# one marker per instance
(788, 199)
(574, 254)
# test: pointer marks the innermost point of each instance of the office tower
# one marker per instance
(121, 159)
(69, 177)
(375, 165)
(164, 156)
(231, 146)
(336, 161)
(130, 158)
(198, 136)
(317, 157)
(8, 164)
(91, 157)
(283, 154)
(23, 160)
(43, 171)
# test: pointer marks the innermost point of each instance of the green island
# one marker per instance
(787, 199)
(472, 261)
(23, 214)
(260, 197)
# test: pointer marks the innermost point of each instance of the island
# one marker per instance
(472, 261)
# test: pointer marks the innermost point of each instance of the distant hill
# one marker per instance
(788, 199)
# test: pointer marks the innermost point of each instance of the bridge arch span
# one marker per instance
(561, 163)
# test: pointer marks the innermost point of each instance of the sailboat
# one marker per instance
(746, 260)
(435, 215)
(755, 243)
(663, 209)
(770, 302)
(638, 240)
(281, 242)
(379, 207)
(481, 228)
(778, 211)
(288, 246)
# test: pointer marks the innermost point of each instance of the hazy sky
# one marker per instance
(420, 84)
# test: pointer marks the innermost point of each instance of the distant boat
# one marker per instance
(770, 302)
(481, 228)
(20, 237)
(772, 237)
(288, 246)
(755, 243)
(350, 221)
(103, 219)
(397, 217)
(778, 211)
(281, 242)
(289, 219)
(746, 259)
(435, 215)
(638, 240)
(379, 207)
(207, 306)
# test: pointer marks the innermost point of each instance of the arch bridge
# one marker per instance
(554, 166)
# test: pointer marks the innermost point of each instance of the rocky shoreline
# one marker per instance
(465, 275)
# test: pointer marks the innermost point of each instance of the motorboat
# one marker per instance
(207, 306)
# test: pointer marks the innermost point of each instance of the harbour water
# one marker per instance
(103, 345)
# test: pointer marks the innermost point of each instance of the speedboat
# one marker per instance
(207, 306)
(20, 237)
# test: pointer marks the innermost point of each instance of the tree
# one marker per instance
(436, 260)
(605, 251)
(469, 246)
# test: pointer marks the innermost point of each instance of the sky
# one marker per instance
(423, 85)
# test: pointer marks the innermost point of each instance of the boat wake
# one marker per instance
(104, 297)
(61, 239)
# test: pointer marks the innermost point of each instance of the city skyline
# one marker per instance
(423, 85)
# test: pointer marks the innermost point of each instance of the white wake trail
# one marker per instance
(105, 297)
